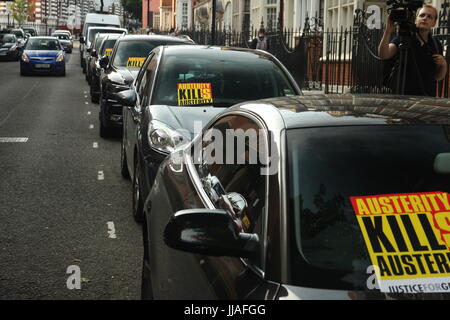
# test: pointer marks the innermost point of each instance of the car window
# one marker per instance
(93, 32)
(231, 172)
(5, 38)
(223, 80)
(42, 44)
(107, 47)
(149, 77)
(329, 166)
(132, 54)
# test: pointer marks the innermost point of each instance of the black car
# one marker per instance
(105, 49)
(9, 47)
(332, 189)
(20, 35)
(120, 70)
(183, 87)
(92, 53)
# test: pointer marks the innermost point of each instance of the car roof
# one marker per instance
(202, 50)
(105, 28)
(351, 110)
(134, 37)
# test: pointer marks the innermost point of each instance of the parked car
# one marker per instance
(20, 35)
(65, 41)
(64, 32)
(90, 35)
(9, 47)
(105, 49)
(119, 72)
(31, 30)
(43, 55)
(92, 53)
(285, 226)
(181, 85)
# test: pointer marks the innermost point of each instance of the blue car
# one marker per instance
(43, 55)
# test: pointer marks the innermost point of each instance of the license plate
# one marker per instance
(42, 66)
(3, 53)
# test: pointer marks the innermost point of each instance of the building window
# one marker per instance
(271, 17)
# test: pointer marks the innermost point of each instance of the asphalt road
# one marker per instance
(55, 210)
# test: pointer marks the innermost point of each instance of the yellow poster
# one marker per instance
(194, 93)
(408, 239)
(108, 52)
(134, 62)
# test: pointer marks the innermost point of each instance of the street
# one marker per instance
(63, 200)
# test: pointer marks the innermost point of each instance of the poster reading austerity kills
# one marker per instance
(408, 239)
(135, 62)
(194, 93)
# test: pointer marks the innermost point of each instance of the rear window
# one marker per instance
(327, 167)
(93, 32)
(107, 46)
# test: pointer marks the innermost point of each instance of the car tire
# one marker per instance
(105, 132)
(95, 98)
(137, 204)
(123, 162)
(23, 73)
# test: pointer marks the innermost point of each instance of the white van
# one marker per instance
(96, 19)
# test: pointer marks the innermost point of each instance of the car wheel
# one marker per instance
(123, 161)
(95, 98)
(146, 280)
(138, 212)
(105, 132)
(22, 73)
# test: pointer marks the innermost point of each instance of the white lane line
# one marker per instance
(12, 140)
(111, 230)
(86, 103)
(100, 175)
(86, 97)
(85, 92)
(18, 105)
(89, 113)
(91, 126)
(95, 145)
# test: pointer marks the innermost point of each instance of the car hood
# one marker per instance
(190, 119)
(6, 45)
(128, 75)
(42, 53)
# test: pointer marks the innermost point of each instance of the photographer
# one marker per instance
(430, 65)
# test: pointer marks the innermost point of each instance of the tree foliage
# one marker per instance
(21, 10)
(134, 7)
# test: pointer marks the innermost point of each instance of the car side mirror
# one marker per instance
(104, 61)
(209, 232)
(94, 53)
(126, 98)
(82, 40)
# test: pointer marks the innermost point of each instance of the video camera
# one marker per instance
(403, 10)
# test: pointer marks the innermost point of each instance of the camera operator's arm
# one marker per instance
(441, 71)
(387, 50)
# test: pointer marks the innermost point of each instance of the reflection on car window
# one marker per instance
(43, 44)
(327, 166)
(231, 81)
(5, 38)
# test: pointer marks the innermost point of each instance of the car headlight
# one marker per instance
(164, 138)
(25, 58)
(60, 57)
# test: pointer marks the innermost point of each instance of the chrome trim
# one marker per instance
(283, 210)
(196, 180)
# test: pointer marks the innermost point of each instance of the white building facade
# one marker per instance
(184, 14)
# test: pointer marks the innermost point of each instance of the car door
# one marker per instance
(182, 275)
(132, 114)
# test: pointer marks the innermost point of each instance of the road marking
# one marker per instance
(111, 230)
(89, 113)
(95, 145)
(13, 140)
(86, 97)
(87, 103)
(100, 175)
(18, 105)
(85, 92)
(91, 126)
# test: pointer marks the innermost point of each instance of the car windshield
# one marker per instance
(328, 166)
(98, 42)
(107, 46)
(93, 32)
(132, 54)
(191, 80)
(61, 36)
(18, 34)
(6, 38)
(43, 44)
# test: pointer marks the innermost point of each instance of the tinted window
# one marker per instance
(327, 166)
(93, 32)
(132, 54)
(230, 79)
(107, 44)
(43, 44)
(6, 38)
